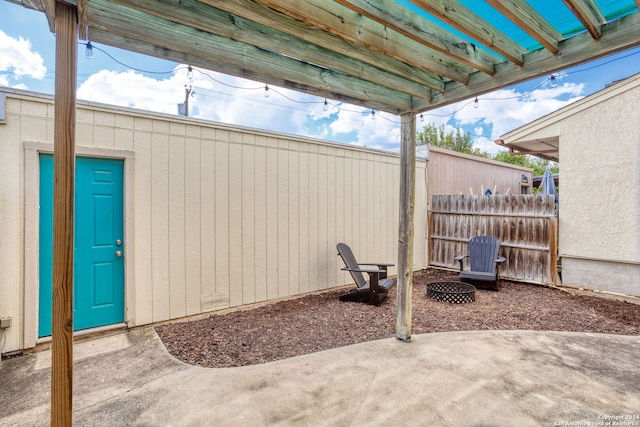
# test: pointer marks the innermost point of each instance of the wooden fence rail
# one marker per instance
(526, 225)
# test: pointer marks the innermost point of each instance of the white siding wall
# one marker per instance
(216, 216)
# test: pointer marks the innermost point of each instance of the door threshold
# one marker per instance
(99, 330)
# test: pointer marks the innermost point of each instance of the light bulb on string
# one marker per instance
(373, 114)
(326, 105)
(190, 73)
(552, 81)
(421, 118)
(476, 103)
(88, 51)
(266, 91)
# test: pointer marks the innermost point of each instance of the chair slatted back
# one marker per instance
(483, 251)
(350, 261)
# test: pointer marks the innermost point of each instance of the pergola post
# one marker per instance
(405, 239)
(63, 203)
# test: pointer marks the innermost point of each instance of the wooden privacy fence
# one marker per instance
(526, 225)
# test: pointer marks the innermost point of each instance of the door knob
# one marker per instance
(118, 254)
(119, 242)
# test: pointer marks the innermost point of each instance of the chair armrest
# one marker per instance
(381, 267)
(379, 264)
(460, 259)
(500, 260)
(364, 270)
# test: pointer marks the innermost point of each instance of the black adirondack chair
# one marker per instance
(376, 289)
(484, 263)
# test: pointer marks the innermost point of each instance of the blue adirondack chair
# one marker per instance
(484, 263)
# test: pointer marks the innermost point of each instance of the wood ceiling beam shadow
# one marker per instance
(315, 81)
(464, 20)
(617, 36)
(266, 16)
(215, 21)
(390, 14)
(530, 21)
(588, 12)
(356, 28)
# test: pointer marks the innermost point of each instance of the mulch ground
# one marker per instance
(320, 321)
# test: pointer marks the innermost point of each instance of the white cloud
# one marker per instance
(17, 57)
(505, 109)
(242, 102)
(348, 120)
(132, 89)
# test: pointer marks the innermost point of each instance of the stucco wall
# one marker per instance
(600, 190)
(215, 216)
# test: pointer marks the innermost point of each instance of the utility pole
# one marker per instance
(187, 91)
(183, 109)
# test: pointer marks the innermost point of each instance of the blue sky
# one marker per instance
(118, 77)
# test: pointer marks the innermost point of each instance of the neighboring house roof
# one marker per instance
(541, 137)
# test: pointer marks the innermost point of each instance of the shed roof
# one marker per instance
(397, 56)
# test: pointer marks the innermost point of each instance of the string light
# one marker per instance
(88, 51)
(373, 114)
(552, 80)
(190, 73)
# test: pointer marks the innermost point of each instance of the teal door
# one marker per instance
(98, 289)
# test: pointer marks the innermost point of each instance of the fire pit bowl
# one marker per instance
(451, 292)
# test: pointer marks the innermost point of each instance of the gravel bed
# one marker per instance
(320, 321)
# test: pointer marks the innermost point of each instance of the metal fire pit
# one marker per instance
(452, 292)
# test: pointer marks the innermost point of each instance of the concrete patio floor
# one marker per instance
(484, 378)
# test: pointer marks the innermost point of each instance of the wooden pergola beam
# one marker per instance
(392, 15)
(310, 34)
(330, 90)
(240, 29)
(356, 28)
(63, 209)
(530, 21)
(461, 18)
(588, 12)
(181, 38)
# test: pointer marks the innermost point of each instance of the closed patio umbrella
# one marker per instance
(548, 185)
